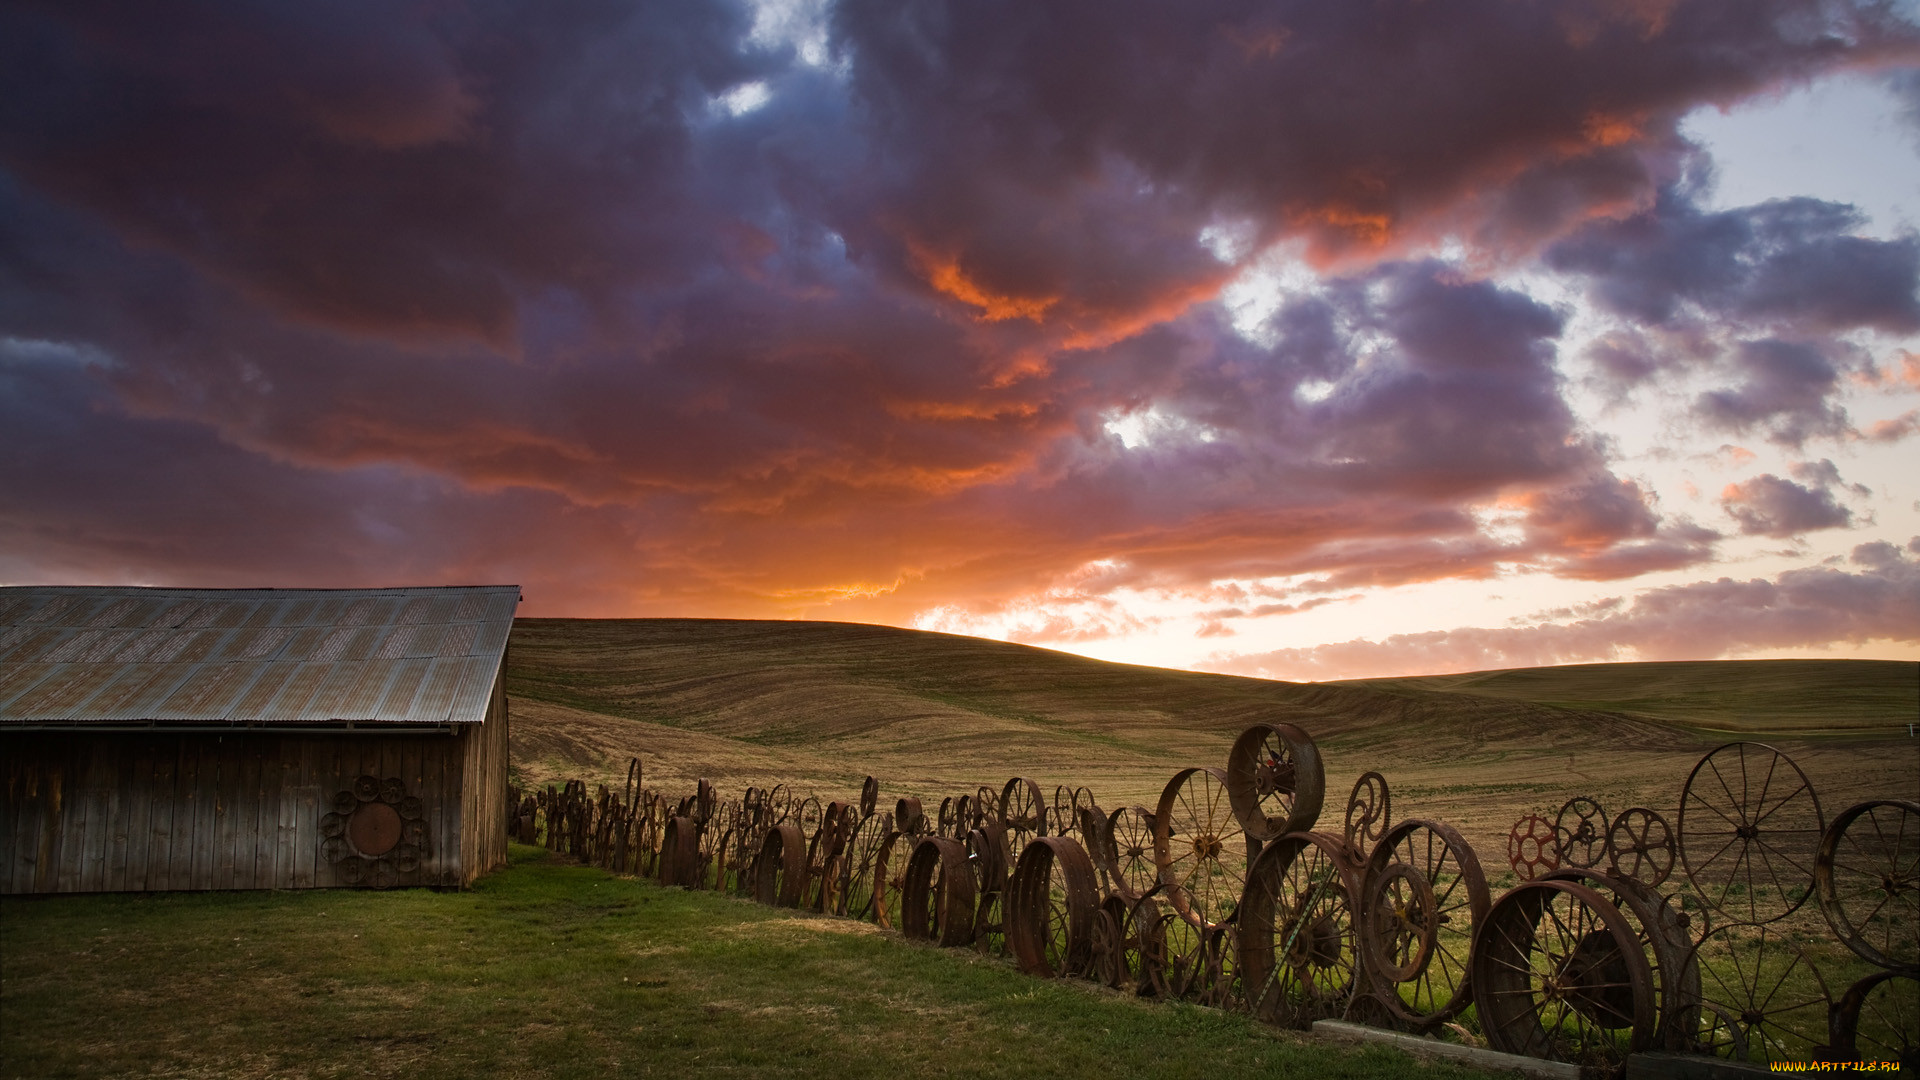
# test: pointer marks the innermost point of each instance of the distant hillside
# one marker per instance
(1733, 697)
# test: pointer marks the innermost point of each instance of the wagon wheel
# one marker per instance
(1868, 874)
(1437, 988)
(1400, 923)
(1878, 1019)
(1051, 903)
(808, 813)
(1216, 969)
(1062, 813)
(992, 862)
(1299, 949)
(713, 870)
(1127, 844)
(366, 788)
(1766, 988)
(1199, 847)
(1532, 849)
(1147, 948)
(889, 876)
(680, 853)
(936, 899)
(1640, 845)
(943, 824)
(1369, 811)
(724, 850)
(1581, 830)
(392, 790)
(1749, 829)
(869, 797)
(1024, 811)
(862, 855)
(1109, 950)
(780, 872)
(1662, 930)
(1275, 780)
(985, 806)
(1082, 802)
(1558, 973)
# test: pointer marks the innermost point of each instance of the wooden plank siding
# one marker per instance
(140, 811)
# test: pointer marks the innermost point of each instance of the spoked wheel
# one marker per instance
(1878, 1019)
(1581, 830)
(1024, 811)
(1199, 847)
(1117, 914)
(1369, 811)
(1275, 780)
(1558, 973)
(869, 797)
(780, 876)
(1147, 949)
(1419, 936)
(1750, 825)
(1299, 949)
(889, 877)
(937, 897)
(1662, 931)
(1061, 814)
(944, 821)
(1128, 849)
(856, 889)
(1868, 874)
(1640, 845)
(1109, 963)
(1756, 980)
(985, 806)
(1051, 903)
(992, 862)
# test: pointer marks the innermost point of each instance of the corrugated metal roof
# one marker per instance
(76, 654)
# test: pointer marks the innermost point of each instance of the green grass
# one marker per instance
(553, 970)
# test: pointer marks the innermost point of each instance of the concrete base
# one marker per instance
(1465, 1055)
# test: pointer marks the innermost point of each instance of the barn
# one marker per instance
(159, 739)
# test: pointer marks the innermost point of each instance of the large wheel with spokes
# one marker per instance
(1275, 780)
(1749, 829)
(1663, 932)
(1868, 874)
(1199, 847)
(1024, 811)
(890, 876)
(1425, 896)
(1558, 973)
(1050, 908)
(937, 897)
(1878, 1019)
(1762, 997)
(1127, 847)
(1297, 939)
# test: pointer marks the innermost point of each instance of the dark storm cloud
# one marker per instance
(503, 280)
(1791, 261)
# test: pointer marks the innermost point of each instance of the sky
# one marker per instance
(1289, 339)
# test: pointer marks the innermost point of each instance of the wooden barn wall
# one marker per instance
(114, 812)
(483, 833)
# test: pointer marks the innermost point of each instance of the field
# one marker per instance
(821, 705)
(558, 971)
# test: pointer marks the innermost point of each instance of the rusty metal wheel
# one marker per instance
(366, 788)
(1051, 902)
(869, 797)
(943, 824)
(991, 857)
(1664, 936)
(863, 853)
(1199, 847)
(1558, 973)
(1147, 948)
(725, 852)
(1109, 965)
(889, 877)
(780, 871)
(1061, 815)
(908, 816)
(1024, 811)
(1749, 829)
(680, 853)
(1532, 848)
(1640, 846)
(1126, 952)
(1436, 988)
(1868, 874)
(1274, 780)
(937, 897)
(1580, 832)
(1127, 845)
(1766, 992)
(1298, 942)
(1369, 811)
(1878, 1019)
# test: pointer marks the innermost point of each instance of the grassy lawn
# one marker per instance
(553, 970)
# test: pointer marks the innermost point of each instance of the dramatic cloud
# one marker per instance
(902, 311)
(1811, 608)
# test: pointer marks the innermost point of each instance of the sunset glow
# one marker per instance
(1291, 339)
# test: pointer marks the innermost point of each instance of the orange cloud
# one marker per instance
(946, 275)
